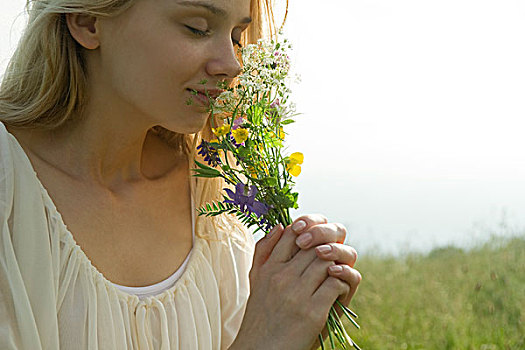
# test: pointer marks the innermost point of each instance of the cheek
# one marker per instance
(152, 75)
(148, 69)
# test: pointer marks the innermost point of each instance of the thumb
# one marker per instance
(265, 245)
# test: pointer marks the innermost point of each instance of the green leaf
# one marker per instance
(293, 198)
(284, 201)
(271, 181)
(255, 114)
(206, 176)
(287, 121)
(215, 209)
(244, 152)
(206, 173)
(202, 166)
(275, 142)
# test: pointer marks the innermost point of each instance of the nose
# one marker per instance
(223, 62)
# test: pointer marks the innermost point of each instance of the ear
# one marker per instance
(83, 29)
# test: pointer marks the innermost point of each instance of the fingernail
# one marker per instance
(298, 226)
(336, 268)
(324, 249)
(303, 240)
(274, 230)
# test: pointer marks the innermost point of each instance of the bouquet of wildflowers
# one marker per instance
(248, 151)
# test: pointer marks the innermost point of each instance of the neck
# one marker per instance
(99, 149)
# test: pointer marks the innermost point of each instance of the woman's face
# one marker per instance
(152, 56)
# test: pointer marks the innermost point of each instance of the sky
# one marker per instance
(412, 121)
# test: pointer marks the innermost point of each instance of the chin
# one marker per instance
(190, 128)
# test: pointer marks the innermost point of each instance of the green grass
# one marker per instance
(447, 299)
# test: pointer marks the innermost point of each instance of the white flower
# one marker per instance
(264, 76)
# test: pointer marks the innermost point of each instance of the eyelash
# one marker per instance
(207, 32)
(198, 32)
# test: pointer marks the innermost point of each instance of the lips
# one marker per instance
(199, 97)
(212, 93)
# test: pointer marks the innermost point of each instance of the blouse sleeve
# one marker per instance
(28, 278)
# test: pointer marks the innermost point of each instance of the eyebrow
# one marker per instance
(212, 8)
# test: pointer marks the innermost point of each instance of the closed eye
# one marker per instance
(197, 31)
(207, 32)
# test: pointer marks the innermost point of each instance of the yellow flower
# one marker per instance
(221, 130)
(240, 135)
(292, 163)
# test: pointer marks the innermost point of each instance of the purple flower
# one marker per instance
(246, 202)
(275, 104)
(210, 154)
(237, 123)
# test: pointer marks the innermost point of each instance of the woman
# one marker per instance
(96, 133)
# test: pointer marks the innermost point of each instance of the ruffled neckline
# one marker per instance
(67, 237)
(70, 240)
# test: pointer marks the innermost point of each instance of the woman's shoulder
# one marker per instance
(19, 185)
(6, 169)
(8, 148)
(24, 211)
(12, 155)
(4, 139)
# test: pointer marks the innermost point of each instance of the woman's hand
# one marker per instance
(291, 295)
(314, 231)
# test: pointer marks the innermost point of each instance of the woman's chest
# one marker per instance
(136, 240)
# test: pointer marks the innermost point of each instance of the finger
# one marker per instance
(285, 248)
(329, 291)
(314, 274)
(321, 234)
(266, 245)
(349, 275)
(304, 222)
(302, 260)
(340, 253)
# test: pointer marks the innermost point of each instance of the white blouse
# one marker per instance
(157, 288)
(53, 297)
